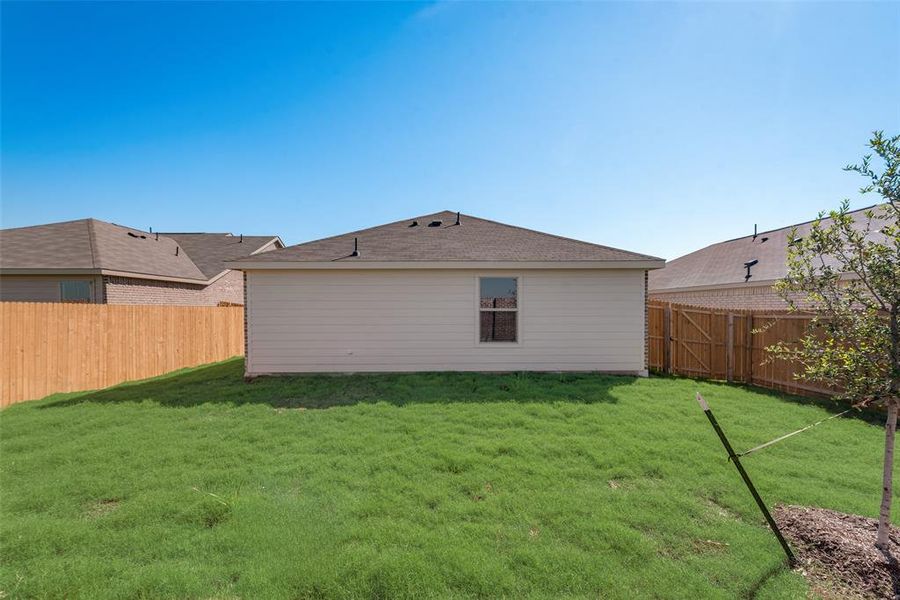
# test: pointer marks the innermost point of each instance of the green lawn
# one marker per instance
(197, 485)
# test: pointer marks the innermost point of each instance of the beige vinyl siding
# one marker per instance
(42, 288)
(357, 321)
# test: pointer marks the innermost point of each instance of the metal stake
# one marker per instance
(737, 463)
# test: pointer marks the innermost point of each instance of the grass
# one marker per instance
(197, 485)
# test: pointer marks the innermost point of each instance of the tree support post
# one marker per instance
(792, 560)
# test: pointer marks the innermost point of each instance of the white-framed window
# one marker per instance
(76, 290)
(498, 310)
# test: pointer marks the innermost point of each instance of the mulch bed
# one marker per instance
(837, 552)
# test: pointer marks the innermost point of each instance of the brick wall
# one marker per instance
(498, 326)
(755, 297)
(129, 290)
(228, 288)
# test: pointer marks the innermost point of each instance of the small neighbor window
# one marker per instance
(498, 309)
(75, 291)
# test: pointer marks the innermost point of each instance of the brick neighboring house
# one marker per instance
(97, 262)
(716, 276)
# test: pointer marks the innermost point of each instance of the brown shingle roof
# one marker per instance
(210, 251)
(57, 245)
(140, 252)
(90, 244)
(473, 239)
(723, 263)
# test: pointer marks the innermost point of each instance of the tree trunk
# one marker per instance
(884, 521)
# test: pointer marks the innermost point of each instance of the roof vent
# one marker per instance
(134, 235)
(355, 247)
(435, 223)
(747, 265)
(414, 224)
(457, 218)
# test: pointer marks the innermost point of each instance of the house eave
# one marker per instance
(734, 284)
(19, 271)
(112, 273)
(718, 286)
(349, 264)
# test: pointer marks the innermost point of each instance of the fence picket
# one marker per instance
(51, 347)
(736, 351)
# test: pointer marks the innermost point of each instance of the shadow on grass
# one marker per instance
(773, 571)
(873, 416)
(222, 383)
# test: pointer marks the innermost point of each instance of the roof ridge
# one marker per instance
(462, 214)
(224, 233)
(562, 237)
(95, 249)
(825, 216)
(46, 224)
(477, 240)
(358, 231)
(181, 250)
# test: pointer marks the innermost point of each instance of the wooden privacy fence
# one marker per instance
(726, 344)
(53, 347)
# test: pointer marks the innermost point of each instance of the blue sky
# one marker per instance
(656, 127)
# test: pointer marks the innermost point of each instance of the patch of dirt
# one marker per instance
(707, 546)
(837, 553)
(629, 483)
(101, 507)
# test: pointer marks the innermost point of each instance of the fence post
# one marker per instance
(667, 338)
(749, 347)
(729, 349)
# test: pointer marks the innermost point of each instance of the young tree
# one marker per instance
(846, 272)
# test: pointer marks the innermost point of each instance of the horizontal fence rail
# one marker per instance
(726, 344)
(47, 348)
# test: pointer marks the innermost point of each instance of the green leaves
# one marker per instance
(846, 271)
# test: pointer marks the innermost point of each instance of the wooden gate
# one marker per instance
(724, 344)
(693, 342)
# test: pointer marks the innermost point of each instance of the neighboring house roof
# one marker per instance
(92, 246)
(722, 264)
(48, 246)
(414, 240)
(210, 251)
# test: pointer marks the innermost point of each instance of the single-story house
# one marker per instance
(446, 292)
(97, 262)
(735, 274)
